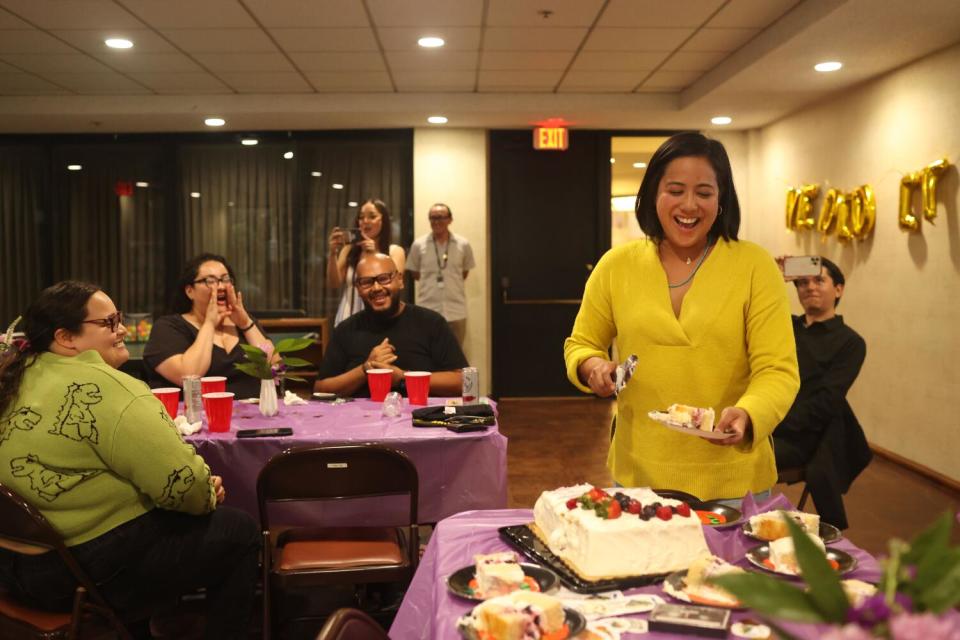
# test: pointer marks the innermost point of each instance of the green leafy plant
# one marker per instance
(268, 362)
(920, 581)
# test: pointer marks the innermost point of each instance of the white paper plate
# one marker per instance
(663, 418)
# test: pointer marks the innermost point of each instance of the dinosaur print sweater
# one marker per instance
(92, 448)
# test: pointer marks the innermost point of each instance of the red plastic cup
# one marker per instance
(170, 397)
(379, 381)
(213, 384)
(219, 408)
(418, 386)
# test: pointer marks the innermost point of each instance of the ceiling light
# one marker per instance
(118, 43)
(639, 165)
(352, 203)
(288, 155)
(721, 120)
(143, 185)
(437, 119)
(316, 174)
(194, 194)
(74, 167)
(337, 185)
(431, 42)
(249, 142)
(214, 122)
(827, 67)
(613, 160)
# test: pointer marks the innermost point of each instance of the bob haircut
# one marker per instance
(179, 302)
(682, 145)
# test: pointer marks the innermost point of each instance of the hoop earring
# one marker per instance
(719, 210)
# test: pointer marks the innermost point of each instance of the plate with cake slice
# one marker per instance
(771, 526)
(690, 585)
(498, 574)
(511, 615)
(691, 421)
(779, 556)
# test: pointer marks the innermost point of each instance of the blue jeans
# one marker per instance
(160, 553)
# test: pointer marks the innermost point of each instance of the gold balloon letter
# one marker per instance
(908, 185)
(800, 205)
(863, 212)
(828, 210)
(928, 188)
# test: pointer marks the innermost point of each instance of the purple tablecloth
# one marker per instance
(458, 471)
(429, 611)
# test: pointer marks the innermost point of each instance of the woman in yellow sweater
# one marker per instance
(708, 318)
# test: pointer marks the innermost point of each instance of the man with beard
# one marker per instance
(389, 334)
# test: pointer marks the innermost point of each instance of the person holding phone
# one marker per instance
(374, 229)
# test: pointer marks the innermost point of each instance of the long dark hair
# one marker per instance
(681, 145)
(179, 302)
(62, 306)
(383, 240)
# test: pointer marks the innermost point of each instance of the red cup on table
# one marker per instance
(219, 408)
(379, 381)
(212, 384)
(418, 386)
(170, 397)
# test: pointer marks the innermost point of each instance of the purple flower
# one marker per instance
(924, 626)
(871, 612)
(902, 602)
(848, 632)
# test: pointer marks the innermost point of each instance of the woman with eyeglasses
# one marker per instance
(203, 335)
(373, 221)
(94, 451)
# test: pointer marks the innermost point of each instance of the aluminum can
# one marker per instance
(192, 400)
(471, 385)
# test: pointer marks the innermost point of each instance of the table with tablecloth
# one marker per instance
(458, 471)
(430, 611)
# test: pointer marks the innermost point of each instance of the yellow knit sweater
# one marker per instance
(731, 346)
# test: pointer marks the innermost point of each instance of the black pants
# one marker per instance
(160, 553)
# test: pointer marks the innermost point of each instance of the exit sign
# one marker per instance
(550, 139)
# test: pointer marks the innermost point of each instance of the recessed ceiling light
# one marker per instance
(249, 142)
(337, 185)
(143, 185)
(74, 167)
(214, 122)
(721, 120)
(431, 42)
(437, 119)
(194, 194)
(316, 174)
(827, 67)
(613, 161)
(288, 155)
(639, 165)
(118, 43)
(352, 203)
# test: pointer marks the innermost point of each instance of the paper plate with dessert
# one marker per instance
(691, 421)
(517, 614)
(771, 526)
(497, 574)
(690, 585)
(780, 557)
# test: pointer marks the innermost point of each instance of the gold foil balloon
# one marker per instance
(844, 223)
(928, 187)
(908, 185)
(828, 211)
(792, 195)
(808, 194)
(863, 212)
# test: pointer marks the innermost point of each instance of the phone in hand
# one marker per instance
(273, 432)
(801, 266)
(352, 236)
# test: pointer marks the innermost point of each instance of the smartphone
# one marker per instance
(798, 266)
(265, 433)
(352, 236)
(466, 428)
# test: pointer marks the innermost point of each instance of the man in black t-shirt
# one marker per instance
(389, 334)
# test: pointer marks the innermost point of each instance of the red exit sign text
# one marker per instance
(550, 138)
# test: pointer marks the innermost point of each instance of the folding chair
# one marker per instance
(351, 624)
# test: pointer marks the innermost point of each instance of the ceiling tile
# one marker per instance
(339, 61)
(672, 80)
(300, 13)
(618, 60)
(694, 60)
(91, 41)
(153, 63)
(178, 83)
(519, 80)
(24, 84)
(526, 13)
(405, 38)
(31, 41)
(604, 81)
(617, 39)
(361, 81)
(10, 21)
(221, 40)
(533, 38)
(325, 39)
(55, 62)
(657, 13)
(432, 60)
(752, 13)
(426, 13)
(73, 14)
(719, 39)
(190, 14)
(227, 62)
(260, 82)
(6, 68)
(524, 60)
(434, 80)
(96, 83)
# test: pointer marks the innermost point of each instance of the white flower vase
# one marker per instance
(268, 398)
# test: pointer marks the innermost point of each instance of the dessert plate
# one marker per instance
(828, 533)
(575, 624)
(675, 586)
(663, 418)
(760, 556)
(715, 514)
(461, 582)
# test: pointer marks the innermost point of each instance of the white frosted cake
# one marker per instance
(634, 532)
(691, 417)
(783, 556)
(771, 525)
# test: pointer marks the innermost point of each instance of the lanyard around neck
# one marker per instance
(436, 253)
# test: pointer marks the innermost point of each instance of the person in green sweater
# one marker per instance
(97, 454)
(707, 317)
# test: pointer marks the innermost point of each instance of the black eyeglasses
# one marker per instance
(438, 218)
(211, 281)
(367, 281)
(112, 321)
